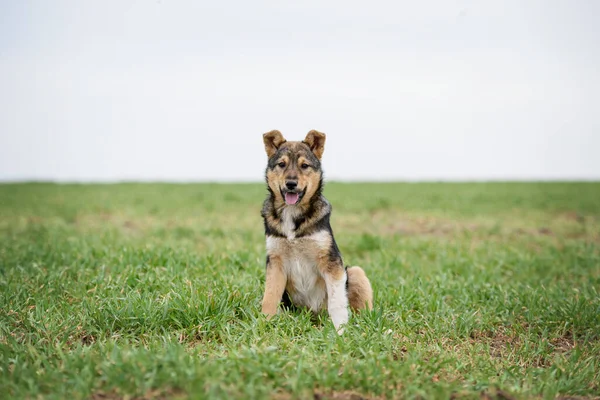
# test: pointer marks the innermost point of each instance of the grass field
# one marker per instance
(153, 291)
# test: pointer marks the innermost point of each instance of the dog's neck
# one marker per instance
(291, 220)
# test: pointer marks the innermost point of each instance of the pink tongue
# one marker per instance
(291, 198)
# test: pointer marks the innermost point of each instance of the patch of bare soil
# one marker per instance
(500, 343)
(577, 398)
(157, 394)
(563, 344)
(496, 395)
(82, 337)
(344, 395)
(424, 226)
(573, 216)
(503, 345)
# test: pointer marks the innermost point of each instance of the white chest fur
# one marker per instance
(299, 258)
(288, 225)
(308, 288)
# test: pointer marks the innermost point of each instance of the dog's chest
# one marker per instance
(287, 222)
(305, 285)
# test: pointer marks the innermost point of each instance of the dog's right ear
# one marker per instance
(273, 140)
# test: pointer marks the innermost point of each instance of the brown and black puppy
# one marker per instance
(304, 264)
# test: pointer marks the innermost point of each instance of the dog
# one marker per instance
(304, 264)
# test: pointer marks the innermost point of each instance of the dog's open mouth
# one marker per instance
(292, 198)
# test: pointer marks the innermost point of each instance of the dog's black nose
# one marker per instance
(291, 185)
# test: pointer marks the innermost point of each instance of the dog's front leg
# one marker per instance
(274, 286)
(337, 298)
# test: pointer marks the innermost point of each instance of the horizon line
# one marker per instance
(250, 182)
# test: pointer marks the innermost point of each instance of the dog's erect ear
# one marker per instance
(316, 141)
(273, 140)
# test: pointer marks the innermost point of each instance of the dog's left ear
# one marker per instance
(316, 141)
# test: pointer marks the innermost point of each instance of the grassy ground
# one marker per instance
(153, 291)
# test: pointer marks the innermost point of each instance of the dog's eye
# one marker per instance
(305, 165)
(282, 164)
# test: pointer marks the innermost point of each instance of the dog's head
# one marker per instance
(294, 169)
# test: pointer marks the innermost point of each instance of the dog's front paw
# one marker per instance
(269, 311)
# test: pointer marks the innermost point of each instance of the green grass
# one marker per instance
(153, 291)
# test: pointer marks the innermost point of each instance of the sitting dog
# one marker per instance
(304, 264)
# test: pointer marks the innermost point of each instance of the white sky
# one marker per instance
(183, 90)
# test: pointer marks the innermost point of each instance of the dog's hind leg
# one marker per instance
(360, 293)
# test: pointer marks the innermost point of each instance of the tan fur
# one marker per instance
(316, 141)
(274, 286)
(303, 258)
(307, 179)
(304, 228)
(272, 141)
(307, 248)
(360, 293)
